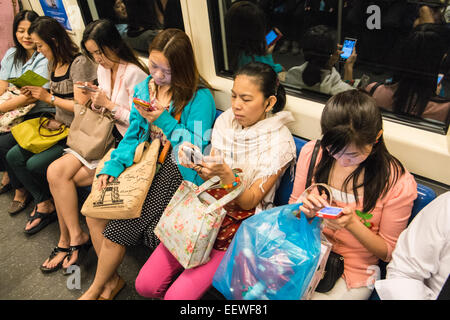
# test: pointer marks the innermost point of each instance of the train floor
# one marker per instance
(21, 255)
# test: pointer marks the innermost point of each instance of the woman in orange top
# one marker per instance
(363, 176)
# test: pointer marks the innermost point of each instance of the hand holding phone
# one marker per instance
(144, 104)
(329, 212)
(193, 155)
(273, 36)
(87, 88)
(347, 48)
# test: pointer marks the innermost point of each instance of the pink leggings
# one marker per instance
(158, 272)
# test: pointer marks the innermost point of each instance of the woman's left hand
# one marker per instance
(38, 93)
(347, 218)
(151, 116)
(100, 99)
(215, 166)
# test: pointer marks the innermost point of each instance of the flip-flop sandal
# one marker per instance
(82, 250)
(55, 251)
(46, 219)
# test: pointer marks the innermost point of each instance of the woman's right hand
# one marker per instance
(103, 181)
(313, 203)
(182, 158)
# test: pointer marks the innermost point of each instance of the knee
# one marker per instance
(55, 172)
(146, 286)
(15, 157)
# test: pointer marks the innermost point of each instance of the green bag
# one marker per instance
(36, 135)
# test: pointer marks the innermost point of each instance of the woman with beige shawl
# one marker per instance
(251, 136)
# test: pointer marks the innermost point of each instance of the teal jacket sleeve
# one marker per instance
(195, 124)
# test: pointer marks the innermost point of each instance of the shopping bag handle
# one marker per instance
(225, 199)
(142, 146)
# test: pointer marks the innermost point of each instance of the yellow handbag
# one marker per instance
(35, 136)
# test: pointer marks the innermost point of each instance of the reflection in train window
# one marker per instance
(138, 21)
(398, 51)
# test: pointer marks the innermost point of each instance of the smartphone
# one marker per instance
(273, 36)
(193, 155)
(87, 88)
(144, 104)
(330, 213)
(440, 77)
(347, 47)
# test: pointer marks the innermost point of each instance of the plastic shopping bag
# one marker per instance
(273, 256)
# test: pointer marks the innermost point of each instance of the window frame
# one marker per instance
(219, 65)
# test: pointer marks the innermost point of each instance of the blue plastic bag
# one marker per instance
(273, 256)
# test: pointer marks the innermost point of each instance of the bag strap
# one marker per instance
(142, 147)
(44, 120)
(213, 183)
(166, 148)
(225, 199)
(312, 164)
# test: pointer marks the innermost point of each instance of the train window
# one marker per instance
(138, 21)
(398, 51)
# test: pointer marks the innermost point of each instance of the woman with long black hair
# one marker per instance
(374, 189)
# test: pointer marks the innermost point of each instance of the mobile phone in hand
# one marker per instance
(193, 155)
(347, 47)
(87, 88)
(440, 77)
(273, 36)
(144, 104)
(329, 212)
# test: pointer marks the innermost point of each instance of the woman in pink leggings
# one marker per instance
(257, 99)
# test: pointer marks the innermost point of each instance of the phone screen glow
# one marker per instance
(270, 37)
(440, 78)
(331, 210)
(347, 48)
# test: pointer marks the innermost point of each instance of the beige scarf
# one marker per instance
(260, 150)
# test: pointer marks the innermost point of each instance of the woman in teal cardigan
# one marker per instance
(174, 86)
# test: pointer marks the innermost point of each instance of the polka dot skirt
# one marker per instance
(133, 232)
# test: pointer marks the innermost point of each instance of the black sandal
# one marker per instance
(80, 248)
(55, 251)
(46, 219)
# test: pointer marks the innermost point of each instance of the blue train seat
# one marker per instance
(285, 188)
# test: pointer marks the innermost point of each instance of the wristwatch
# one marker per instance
(52, 100)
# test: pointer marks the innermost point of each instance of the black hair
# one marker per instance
(319, 44)
(353, 117)
(64, 50)
(105, 34)
(416, 69)
(268, 81)
(245, 26)
(20, 56)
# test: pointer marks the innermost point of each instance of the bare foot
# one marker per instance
(43, 207)
(110, 286)
(58, 257)
(90, 294)
(83, 238)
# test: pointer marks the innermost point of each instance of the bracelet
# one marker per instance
(350, 82)
(232, 185)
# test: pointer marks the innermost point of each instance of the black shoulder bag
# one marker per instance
(334, 267)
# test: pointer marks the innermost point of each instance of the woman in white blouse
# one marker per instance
(119, 70)
(420, 263)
